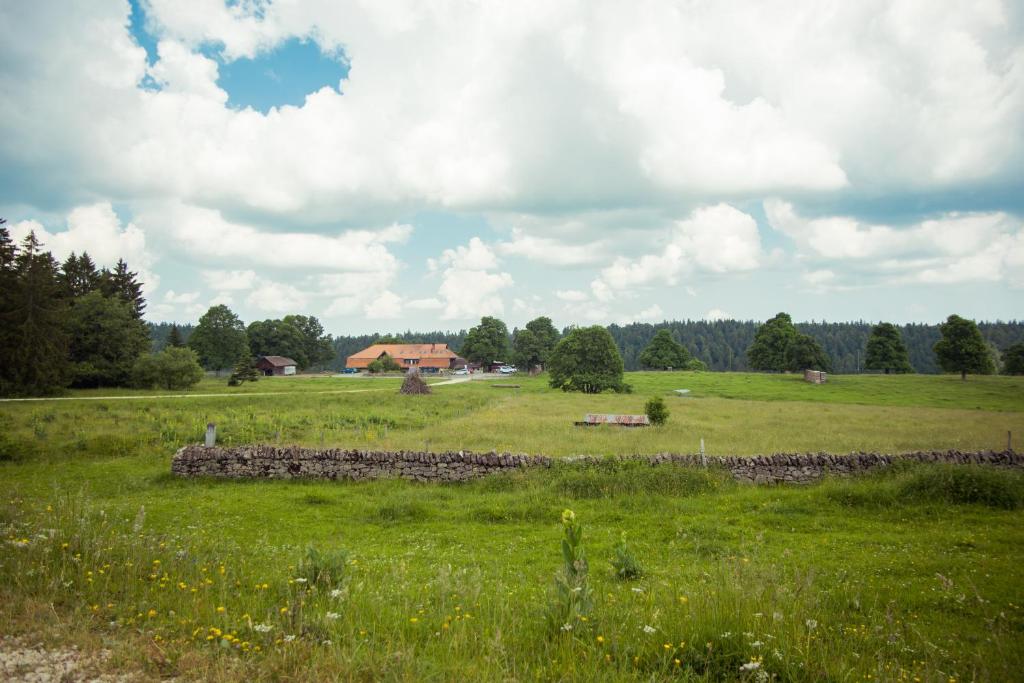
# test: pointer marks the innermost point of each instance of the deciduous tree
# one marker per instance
(805, 353)
(768, 350)
(664, 353)
(587, 360)
(219, 339)
(962, 348)
(886, 351)
(1013, 359)
(487, 342)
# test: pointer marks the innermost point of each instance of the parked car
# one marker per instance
(461, 371)
(350, 371)
(507, 370)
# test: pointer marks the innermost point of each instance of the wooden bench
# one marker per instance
(595, 419)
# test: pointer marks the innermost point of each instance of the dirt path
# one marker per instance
(21, 662)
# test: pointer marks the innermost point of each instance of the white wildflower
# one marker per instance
(777, 616)
(812, 624)
(727, 634)
(262, 628)
(756, 643)
(332, 615)
(337, 593)
(301, 580)
(649, 629)
(637, 589)
(566, 627)
(289, 638)
(751, 666)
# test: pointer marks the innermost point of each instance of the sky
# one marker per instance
(387, 166)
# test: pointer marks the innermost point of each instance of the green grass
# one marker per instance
(910, 572)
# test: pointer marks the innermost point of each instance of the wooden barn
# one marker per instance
(276, 365)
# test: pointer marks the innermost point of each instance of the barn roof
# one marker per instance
(427, 355)
(278, 361)
(406, 351)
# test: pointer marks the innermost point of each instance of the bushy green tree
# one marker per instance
(886, 351)
(768, 350)
(384, 364)
(805, 353)
(532, 345)
(318, 347)
(277, 338)
(487, 342)
(1013, 359)
(173, 368)
(105, 339)
(219, 339)
(962, 348)
(664, 353)
(586, 360)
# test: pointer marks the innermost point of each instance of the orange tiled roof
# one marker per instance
(428, 355)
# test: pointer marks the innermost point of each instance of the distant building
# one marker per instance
(276, 365)
(815, 376)
(426, 357)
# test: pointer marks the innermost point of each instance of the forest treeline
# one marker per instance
(722, 344)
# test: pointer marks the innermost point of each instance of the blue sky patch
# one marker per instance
(284, 76)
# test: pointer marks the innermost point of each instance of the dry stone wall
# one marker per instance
(294, 462)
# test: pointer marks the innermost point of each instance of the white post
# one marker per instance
(211, 435)
(703, 460)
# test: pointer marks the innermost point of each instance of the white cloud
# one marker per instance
(716, 239)
(428, 304)
(385, 306)
(551, 251)
(956, 247)
(625, 106)
(96, 229)
(229, 280)
(717, 314)
(171, 297)
(277, 298)
(468, 288)
(652, 313)
(571, 295)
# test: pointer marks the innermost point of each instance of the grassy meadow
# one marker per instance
(905, 575)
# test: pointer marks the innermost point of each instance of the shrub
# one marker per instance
(625, 564)
(172, 368)
(656, 410)
(324, 570)
(245, 371)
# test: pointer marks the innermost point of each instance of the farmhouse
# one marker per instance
(426, 357)
(276, 365)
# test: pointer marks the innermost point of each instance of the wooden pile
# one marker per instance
(414, 384)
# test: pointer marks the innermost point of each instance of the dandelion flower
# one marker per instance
(283, 610)
(600, 640)
(151, 613)
(220, 610)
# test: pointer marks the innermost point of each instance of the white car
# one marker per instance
(461, 371)
(507, 370)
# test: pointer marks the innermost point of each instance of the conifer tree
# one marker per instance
(122, 283)
(38, 352)
(174, 338)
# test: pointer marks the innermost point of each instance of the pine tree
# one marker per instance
(122, 283)
(885, 350)
(8, 278)
(245, 371)
(38, 343)
(1013, 359)
(78, 276)
(174, 338)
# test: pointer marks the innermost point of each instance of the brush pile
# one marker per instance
(414, 384)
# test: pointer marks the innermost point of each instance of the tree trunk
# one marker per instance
(963, 375)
